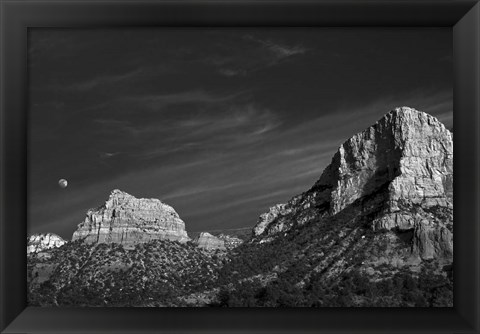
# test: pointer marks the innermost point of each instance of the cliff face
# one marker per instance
(399, 172)
(127, 220)
(43, 241)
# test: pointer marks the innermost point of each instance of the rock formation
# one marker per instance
(127, 220)
(230, 241)
(42, 241)
(398, 171)
(209, 242)
(270, 216)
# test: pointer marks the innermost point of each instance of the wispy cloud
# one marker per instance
(279, 51)
(115, 127)
(259, 53)
(246, 120)
(104, 80)
(128, 106)
(200, 189)
(106, 155)
(218, 128)
(157, 101)
(110, 79)
(230, 72)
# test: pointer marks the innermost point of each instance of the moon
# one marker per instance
(63, 183)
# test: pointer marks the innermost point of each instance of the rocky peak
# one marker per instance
(407, 150)
(42, 241)
(128, 220)
(399, 170)
(119, 198)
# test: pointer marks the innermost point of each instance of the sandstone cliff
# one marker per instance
(127, 220)
(398, 171)
(42, 241)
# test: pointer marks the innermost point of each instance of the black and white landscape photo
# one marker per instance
(246, 167)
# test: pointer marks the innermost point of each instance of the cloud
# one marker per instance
(131, 105)
(127, 109)
(114, 127)
(229, 72)
(104, 80)
(235, 59)
(278, 50)
(106, 155)
(200, 190)
(210, 129)
(109, 79)
(154, 153)
(247, 119)
(222, 207)
(157, 101)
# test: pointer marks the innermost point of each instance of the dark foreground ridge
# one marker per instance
(376, 229)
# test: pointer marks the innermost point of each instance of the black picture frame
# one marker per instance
(19, 15)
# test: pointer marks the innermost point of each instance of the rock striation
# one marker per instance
(209, 242)
(127, 220)
(42, 241)
(399, 171)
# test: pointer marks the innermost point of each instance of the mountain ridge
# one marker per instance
(376, 229)
(380, 156)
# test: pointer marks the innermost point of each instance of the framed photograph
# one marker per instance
(237, 166)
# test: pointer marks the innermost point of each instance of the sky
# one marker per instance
(219, 123)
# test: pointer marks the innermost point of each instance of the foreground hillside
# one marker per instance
(343, 264)
(157, 273)
(376, 229)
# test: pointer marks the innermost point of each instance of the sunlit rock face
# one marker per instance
(42, 241)
(399, 171)
(127, 220)
(207, 241)
(268, 217)
(409, 151)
